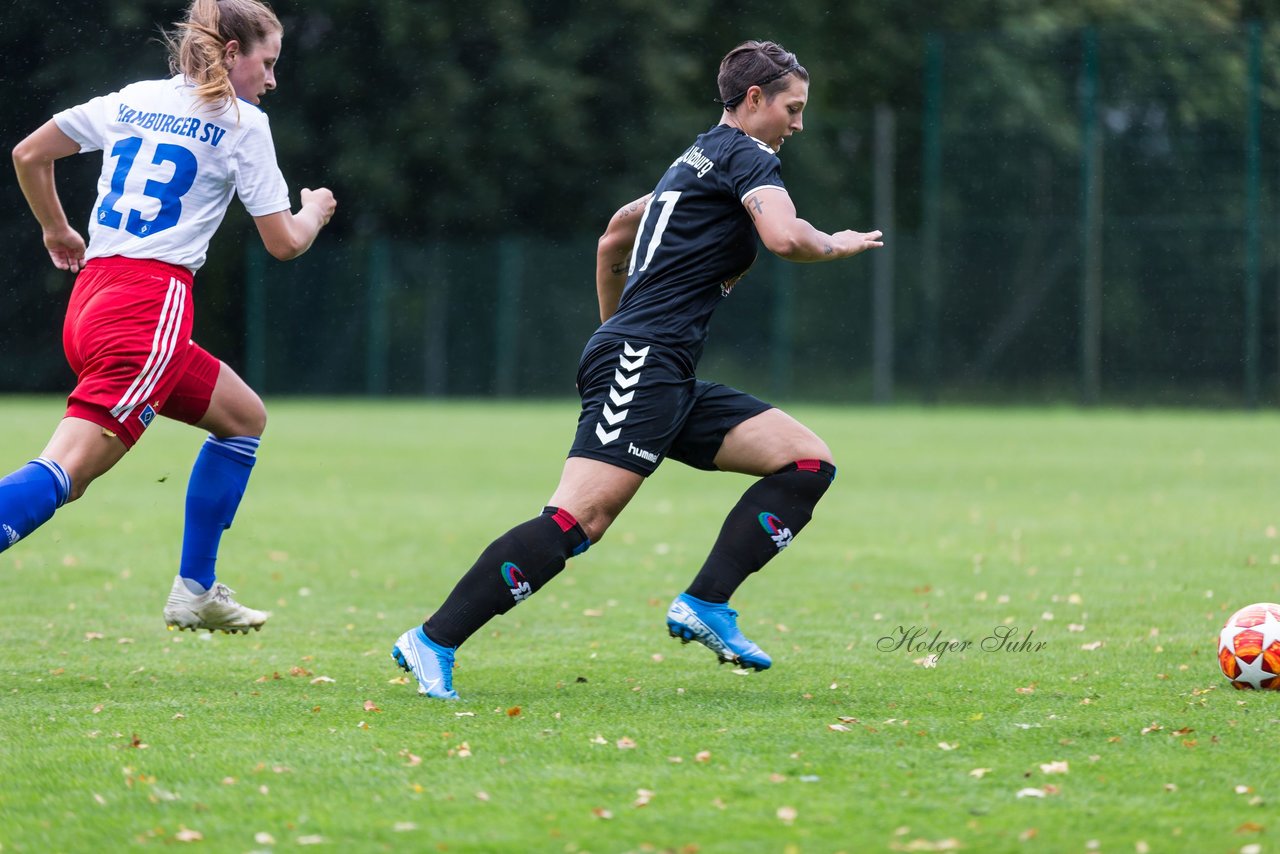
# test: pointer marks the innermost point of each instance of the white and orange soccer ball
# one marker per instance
(1249, 647)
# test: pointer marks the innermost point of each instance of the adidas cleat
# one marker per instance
(214, 610)
(430, 663)
(715, 626)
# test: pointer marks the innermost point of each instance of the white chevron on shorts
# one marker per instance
(163, 345)
(623, 382)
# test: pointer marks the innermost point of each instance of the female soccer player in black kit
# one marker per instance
(663, 265)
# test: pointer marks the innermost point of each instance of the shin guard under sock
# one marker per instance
(28, 498)
(763, 522)
(510, 570)
(217, 484)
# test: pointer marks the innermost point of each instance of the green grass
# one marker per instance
(1144, 528)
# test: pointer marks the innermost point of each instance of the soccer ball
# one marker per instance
(1249, 647)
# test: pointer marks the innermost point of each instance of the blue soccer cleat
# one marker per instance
(715, 627)
(429, 662)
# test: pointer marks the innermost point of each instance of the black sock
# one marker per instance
(761, 524)
(510, 570)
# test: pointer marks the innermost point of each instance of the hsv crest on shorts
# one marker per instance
(1249, 647)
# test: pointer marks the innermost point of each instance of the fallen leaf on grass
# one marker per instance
(482, 796)
(188, 835)
(625, 743)
(702, 756)
(399, 680)
(319, 680)
(513, 711)
(1155, 727)
(787, 814)
(927, 845)
(979, 773)
(1056, 767)
(838, 728)
(643, 796)
(942, 745)
(311, 840)
(409, 758)
(601, 813)
(1030, 793)
(264, 838)
(1250, 827)
(1091, 646)
(404, 826)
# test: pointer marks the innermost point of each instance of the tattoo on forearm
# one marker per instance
(619, 268)
(827, 249)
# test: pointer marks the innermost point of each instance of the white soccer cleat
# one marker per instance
(214, 610)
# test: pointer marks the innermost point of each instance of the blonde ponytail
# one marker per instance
(196, 45)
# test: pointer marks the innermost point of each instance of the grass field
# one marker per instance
(1116, 541)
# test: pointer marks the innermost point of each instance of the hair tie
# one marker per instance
(730, 103)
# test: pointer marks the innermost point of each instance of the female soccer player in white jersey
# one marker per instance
(174, 153)
(663, 265)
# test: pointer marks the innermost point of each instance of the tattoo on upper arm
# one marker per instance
(755, 207)
(619, 268)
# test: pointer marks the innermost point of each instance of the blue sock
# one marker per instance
(217, 483)
(28, 498)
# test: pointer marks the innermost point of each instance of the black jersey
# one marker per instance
(694, 242)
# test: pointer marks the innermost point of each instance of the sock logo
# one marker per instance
(520, 588)
(12, 535)
(779, 533)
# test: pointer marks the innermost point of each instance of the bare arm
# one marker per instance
(613, 254)
(33, 161)
(787, 236)
(287, 235)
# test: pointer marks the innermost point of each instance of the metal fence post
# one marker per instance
(931, 191)
(882, 259)
(255, 316)
(507, 316)
(375, 366)
(1252, 214)
(1090, 226)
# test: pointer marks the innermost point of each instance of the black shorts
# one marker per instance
(640, 403)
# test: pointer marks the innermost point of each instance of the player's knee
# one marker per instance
(247, 418)
(594, 523)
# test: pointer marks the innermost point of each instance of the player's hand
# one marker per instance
(854, 242)
(323, 200)
(66, 249)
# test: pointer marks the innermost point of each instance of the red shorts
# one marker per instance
(128, 338)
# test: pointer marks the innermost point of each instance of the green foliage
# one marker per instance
(1121, 541)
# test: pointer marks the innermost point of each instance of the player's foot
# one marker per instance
(213, 609)
(430, 663)
(715, 626)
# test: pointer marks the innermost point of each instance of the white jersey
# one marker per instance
(170, 166)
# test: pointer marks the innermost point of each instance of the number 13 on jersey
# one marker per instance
(168, 192)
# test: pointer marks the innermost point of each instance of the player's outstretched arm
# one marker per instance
(287, 235)
(787, 236)
(33, 161)
(613, 254)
